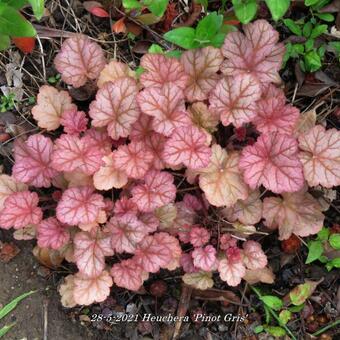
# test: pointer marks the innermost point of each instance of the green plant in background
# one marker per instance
(156, 7)
(13, 24)
(209, 31)
(7, 103)
(316, 249)
(8, 308)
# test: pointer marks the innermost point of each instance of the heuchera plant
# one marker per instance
(135, 130)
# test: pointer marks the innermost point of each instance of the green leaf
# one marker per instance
(13, 24)
(38, 8)
(278, 8)
(296, 309)
(208, 27)
(335, 46)
(154, 48)
(10, 306)
(321, 51)
(297, 49)
(267, 313)
(325, 16)
(311, 2)
(334, 241)
(318, 30)
(17, 4)
(295, 28)
(258, 329)
(183, 37)
(174, 54)
(333, 263)
(307, 29)
(245, 10)
(323, 259)
(131, 4)
(158, 7)
(323, 234)
(272, 301)
(139, 71)
(6, 329)
(309, 44)
(302, 292)
(312, 61)
(5, 42)
(275, 331)
(315, 248)
(218, 40)
(285, 316)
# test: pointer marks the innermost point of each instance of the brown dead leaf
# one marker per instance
(182, 308)
(8, 251)
(264, 275)
(216, 295)
(48, 257)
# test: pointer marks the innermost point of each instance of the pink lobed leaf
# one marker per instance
(88, 290)
(187, 145)
(234, 99)
(273, 161)
(205, 258)
(125, 205)
(231, 272)
(155, 143)
(74, 121)
(8, 185)
(112, 71)
(193, 202)
(132, 159)
(158, 190)
(203, 117)
(79, 205)
(253, 255)
(52, 234)
(115, 107)
(142, 128)
(166, 106)
(90, 252)
(202, 66)
(256, 52)
(126, 232)
(298, 213)
(320, 156)
(74, 153)
(50, 106)
(227, 241)
(79, 60)
(127, 274)
(199, 236)
(273, 115)
(33, 161)
(20, 209)
(187, 263)
(161, 70)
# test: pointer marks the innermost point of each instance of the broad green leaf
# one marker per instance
(285, 316)
(318, 30)
(174, 54)
(321, 51)
(323, 234)
(334, 241)
(5, 329)
(131, 4)
(154, 48)
(272, 301)
(218, 40)
(309, 44)
(139, 70)
(208, 27)
(245, 10)
(278, 8)
(296, 309)
(258, 329)
(148, 19)
(333, 263)
(312, 61)
(297, 50)
(17, 4)
(38, 8)
(302, 292)
(13, 24)
(275, 330)
(307, 29)
(335, 46)
(183, 37)
(158, 7)
(315, 250)
(311, 2)
(325, 16)
(10, 306)
(295, 28)
(323, 259)
(5, 42)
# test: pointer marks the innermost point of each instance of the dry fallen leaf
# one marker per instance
(8, 251)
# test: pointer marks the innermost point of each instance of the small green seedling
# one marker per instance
(7, 103)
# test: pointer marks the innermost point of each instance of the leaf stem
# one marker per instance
(324, 329)
(276, 317)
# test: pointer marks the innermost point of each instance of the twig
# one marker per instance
(45, 309)
(324, 329)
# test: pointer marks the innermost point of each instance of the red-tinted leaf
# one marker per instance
(253, 255)
(79, 60)
(273, 162)
(74, 121)
(90, 252)
(116, 107)
(20, 209)
(52, 234)
(158, 189)
(205, 258)
(33, 161)
(160, 70)
(125, 205)
(193, 202)
(202, 66)
(199, 236)
(24, 44)
(227, 241)
(231, 272)
(8, 185)
(79, 205)
(256, 52)
(320, 156)
(114, 70)
(187, 145)
(187, 263)
(234, 99)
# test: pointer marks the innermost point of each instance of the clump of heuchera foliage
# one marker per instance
(111, 173)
